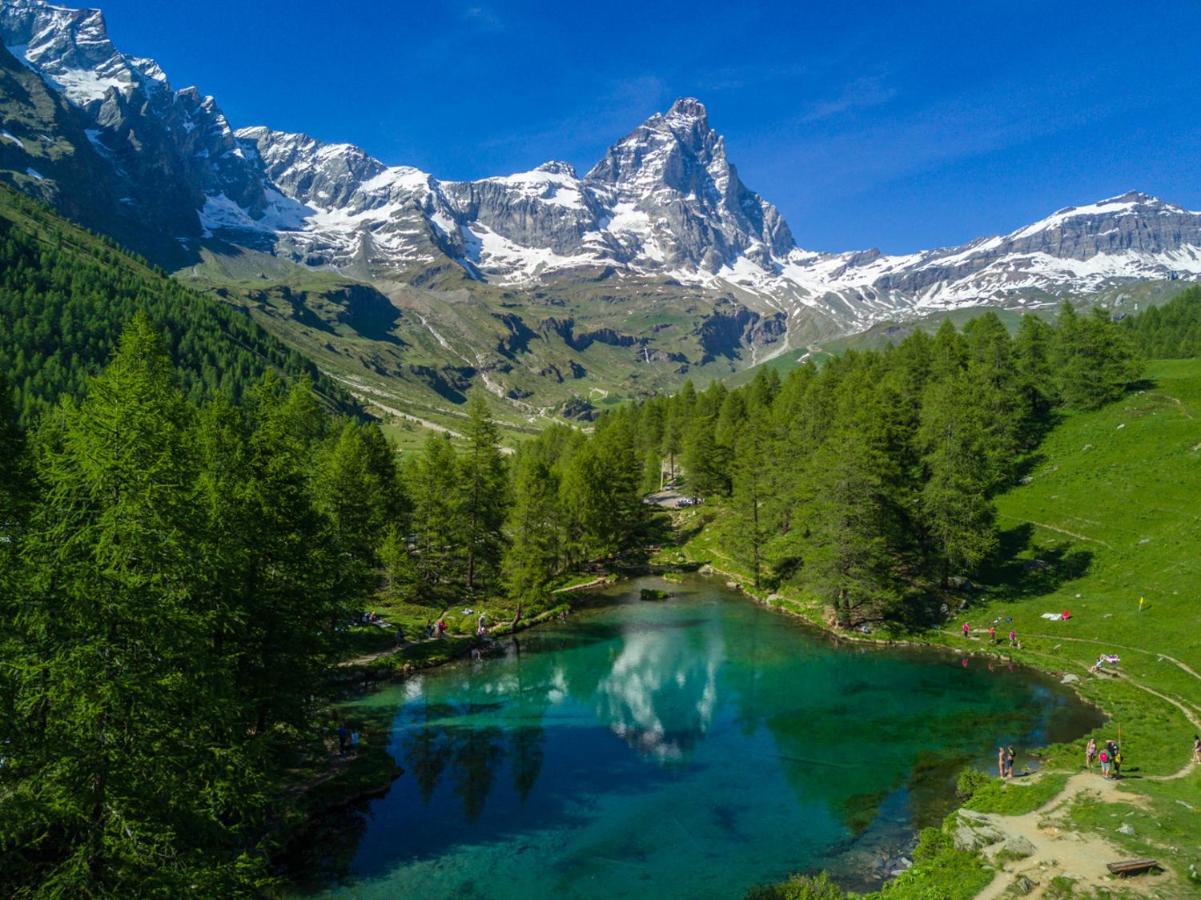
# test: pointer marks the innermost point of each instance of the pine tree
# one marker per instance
(1033, 347)
(482, 496)
(293, 588)
(433, 486)
(118, 786)
(956, 508)
(749, 531)
(849, 514)
(706, 463)
(1094, 360)
(401, 576)
(534, 528)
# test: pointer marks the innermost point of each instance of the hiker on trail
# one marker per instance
(992, 634)
(1117, 761)
(1001, 762)
(1013, 638)
(441, 626)
(343, 736)
(1142, 601)
(1109, 760)
(481, 629)
(967, 630)
(1009, 755)
(1197, 748)
(1090, 753)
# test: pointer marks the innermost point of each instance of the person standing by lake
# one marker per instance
(1009, 756)
(992, 634)
(1000, 762)
(967, 631)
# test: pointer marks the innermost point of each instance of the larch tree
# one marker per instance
(482, 495)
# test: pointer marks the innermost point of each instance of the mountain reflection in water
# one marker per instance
(692, 747)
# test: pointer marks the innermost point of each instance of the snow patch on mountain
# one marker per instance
(663, 202)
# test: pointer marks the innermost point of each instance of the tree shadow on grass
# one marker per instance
(1021, 568)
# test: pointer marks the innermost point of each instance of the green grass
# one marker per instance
(1114, 509)
(1014, 798)
(1166, 823)
(939, 872)
(1113, 506)
(1110, 510)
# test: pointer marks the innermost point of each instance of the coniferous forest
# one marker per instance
(182, 552)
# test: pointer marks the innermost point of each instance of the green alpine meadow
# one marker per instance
(485, 493)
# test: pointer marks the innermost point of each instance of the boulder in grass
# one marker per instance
(974, 831)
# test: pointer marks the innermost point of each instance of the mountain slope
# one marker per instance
(660, 248)
(65, 295)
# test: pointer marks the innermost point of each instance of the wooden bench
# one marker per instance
(1132, 866)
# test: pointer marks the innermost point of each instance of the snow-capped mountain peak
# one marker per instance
(663, 203)
(71, 49)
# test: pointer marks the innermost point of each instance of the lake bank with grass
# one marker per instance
(632, 749)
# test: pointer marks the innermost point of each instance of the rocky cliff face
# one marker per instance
(663, 203)
(164, 151)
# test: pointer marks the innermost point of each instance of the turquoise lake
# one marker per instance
(686, 748)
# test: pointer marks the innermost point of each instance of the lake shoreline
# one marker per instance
(399, 673)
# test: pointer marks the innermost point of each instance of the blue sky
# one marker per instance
(895, 125)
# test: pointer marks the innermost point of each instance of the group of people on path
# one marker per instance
(1110, 758)
(992, 635)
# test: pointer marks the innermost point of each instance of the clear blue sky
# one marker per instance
(896, 125)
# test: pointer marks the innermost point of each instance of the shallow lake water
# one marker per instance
(683, 748)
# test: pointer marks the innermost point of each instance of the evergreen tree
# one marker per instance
(482, 499)
(957, 511)
(849, 514)
(433, 487)
(115, 781)
(749, 531)
(1033, 347)
(534, 529)
(706, 463)
(293, 589)
(401, 576)
(1094, 360)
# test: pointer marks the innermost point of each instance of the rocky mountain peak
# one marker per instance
(71, 48)
(557, 167)
(688, 108)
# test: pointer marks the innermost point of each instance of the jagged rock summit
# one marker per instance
(664, 202)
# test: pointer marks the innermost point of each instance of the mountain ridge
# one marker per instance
(660, 230)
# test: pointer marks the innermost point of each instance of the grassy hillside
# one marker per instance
(1109, 512)
(1119, 492)
(413, 346)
